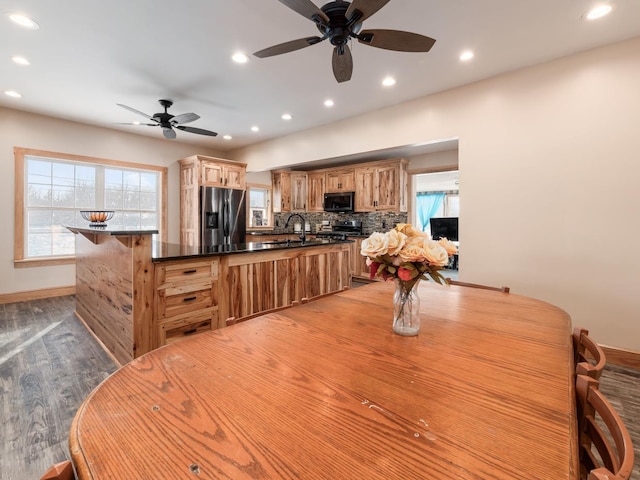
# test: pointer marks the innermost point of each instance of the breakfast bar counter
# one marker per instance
(326, 390)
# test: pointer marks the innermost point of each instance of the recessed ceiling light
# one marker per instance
(20, 60)
(389, 81)
(23, 21)
(255, 129)
(12, 93)
(227, 137)
(286, 116)
(240, 57)
(136, 122)
(328, 103)
(598, 12)
(466, 56)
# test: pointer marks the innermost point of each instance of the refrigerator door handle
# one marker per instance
(225, 221)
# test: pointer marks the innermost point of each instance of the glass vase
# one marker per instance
(406, 308)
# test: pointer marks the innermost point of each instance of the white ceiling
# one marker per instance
(87, 56)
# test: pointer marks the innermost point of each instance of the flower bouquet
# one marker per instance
(406, 255)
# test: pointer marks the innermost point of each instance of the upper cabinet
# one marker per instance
(316, 189)
(220, 173)
(341, 180)
(382, 187)
(289, 191)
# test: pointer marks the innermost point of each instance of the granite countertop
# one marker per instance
(162, 251)
(111, 230)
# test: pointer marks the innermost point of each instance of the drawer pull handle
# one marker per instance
(189, 299)
(189, 332)
(187, 272)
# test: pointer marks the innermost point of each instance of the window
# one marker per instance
(52, 189)
(259, 211)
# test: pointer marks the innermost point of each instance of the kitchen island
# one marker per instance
(135, 294)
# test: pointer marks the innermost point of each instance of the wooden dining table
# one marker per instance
(326, 390)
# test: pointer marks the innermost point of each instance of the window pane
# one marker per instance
(38, 195)
(258, 197)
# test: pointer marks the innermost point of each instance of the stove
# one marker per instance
(341, 229)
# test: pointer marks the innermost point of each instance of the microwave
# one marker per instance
(339, 202)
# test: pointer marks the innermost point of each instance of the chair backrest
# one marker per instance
(477, 285)
(233, 320)
(322, 295)
(59, 471)
(606, 450)
(589, 358)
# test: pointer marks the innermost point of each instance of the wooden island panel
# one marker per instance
(114, 291)
(265, 280)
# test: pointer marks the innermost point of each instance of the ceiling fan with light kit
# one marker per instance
(168, 122)
(340, 21)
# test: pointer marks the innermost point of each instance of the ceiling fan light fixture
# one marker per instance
(23, 21)
(597, 12)
(388, 81)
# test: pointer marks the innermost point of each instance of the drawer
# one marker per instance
(187, 326)
(181, 299)
(185, 272)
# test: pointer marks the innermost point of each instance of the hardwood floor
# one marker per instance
(49, 363)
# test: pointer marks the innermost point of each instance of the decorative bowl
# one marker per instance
(97, 218)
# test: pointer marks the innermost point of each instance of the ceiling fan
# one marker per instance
(339, 21)
(168, 122)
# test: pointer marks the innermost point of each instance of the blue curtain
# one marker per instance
(427, 206)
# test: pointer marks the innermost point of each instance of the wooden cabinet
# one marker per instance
(357, 263)
(382, 187)
(218, 174)
(341, 180)
(289, 191)
(316, 189)
(186, 299)
(197, 171)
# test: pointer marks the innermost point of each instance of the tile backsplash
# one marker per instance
(371, 221)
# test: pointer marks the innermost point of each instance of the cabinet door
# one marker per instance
(388, 187)
(281, 192)
(298, 192)
(234, 177)
(341, 181)
(212, 174)
(315, 183)
(365, 189)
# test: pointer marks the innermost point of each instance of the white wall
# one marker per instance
(45, 133)
(561, 142)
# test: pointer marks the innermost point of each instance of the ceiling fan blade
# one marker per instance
(168, 133)
(342, 64)
(136, 123)
(366, 7)
(184, 118)
(396, 40)
(287, 47)
(134, 110)
(199, 131)
(307, 9)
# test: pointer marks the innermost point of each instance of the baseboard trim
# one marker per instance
(624, 358)
(37, 294)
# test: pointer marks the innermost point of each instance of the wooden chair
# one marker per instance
(605, 448)
(322, 295)
(477, 285)
(233, 320)
(589, 358)
(59, 471)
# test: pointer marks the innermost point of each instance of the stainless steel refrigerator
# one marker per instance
(222, 216)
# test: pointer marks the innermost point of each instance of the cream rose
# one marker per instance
(376, 245)
(436, 254)
(448, 245)
(412, 252)
(396, 241)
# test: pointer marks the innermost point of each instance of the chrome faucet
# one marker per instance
(303, 236)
